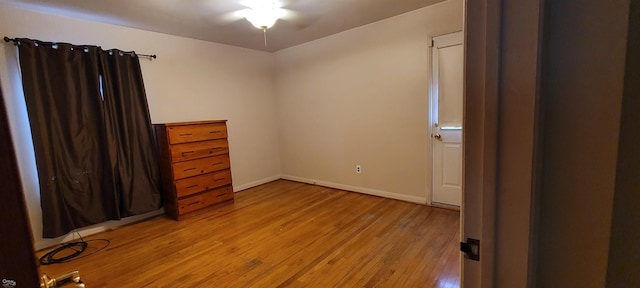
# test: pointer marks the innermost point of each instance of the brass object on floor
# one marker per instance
(62, 280)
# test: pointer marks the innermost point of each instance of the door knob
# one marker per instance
(437, 136)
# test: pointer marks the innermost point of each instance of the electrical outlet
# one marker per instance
(358, 169)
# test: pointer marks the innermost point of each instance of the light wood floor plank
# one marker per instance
(282, 234)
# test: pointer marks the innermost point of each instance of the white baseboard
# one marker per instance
(298, 179)
(368, 191)
(87, 231)
(255, 183)
(45, 243)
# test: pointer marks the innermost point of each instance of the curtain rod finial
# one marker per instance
(7, 39)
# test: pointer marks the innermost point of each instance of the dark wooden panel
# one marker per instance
(624, 250)
(17, 260)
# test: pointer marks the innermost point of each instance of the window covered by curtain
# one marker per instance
(132, 151)
(91, 132)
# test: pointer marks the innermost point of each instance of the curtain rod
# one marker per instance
(15, 42)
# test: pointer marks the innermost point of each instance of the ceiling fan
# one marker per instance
(262, 14)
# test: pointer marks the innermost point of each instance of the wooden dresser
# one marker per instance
(195, 166)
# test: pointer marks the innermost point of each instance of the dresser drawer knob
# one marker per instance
(193, 186)
(189, 169)
(193, 203)
(186, 134)
(188, 152)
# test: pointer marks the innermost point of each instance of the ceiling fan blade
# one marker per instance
(290, 15)
(287, 3)
(230, 17)
(299, 20)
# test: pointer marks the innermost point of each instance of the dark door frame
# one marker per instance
(17, 259)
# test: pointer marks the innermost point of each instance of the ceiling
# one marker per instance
(215, 21)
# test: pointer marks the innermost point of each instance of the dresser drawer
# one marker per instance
(188, 151)
(205, 199)
(200, 166)
(197, 184)
(192, 133)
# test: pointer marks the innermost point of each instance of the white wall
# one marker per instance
(190, 80)
(361, 97)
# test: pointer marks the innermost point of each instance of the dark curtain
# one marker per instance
(95, 159)
(62, 92)
(131, 141)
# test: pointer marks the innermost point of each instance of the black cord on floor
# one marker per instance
(77, 247)
(50, 258)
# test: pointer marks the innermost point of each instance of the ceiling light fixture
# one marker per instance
(263, 14)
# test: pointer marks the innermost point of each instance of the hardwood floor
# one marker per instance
(282, 234)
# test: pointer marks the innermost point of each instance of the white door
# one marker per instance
(446, 118)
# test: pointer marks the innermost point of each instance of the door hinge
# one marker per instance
(471, 249)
